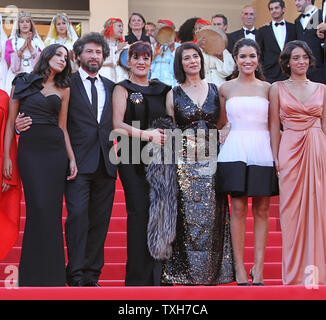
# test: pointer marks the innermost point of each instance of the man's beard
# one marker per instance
(91, 68)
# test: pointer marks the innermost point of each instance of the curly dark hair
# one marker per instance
(186, 30)
(285, 55)
(248, 43)
(42, 67)
(92, 37)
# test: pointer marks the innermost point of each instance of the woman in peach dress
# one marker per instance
(300, 157)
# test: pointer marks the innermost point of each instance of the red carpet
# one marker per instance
(112, 278)
(167, 293)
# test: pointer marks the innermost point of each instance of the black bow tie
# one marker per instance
(305, 15)
(250, 31)
(279, 23)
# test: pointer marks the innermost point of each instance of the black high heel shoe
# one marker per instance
(255, 283)
(244, 284)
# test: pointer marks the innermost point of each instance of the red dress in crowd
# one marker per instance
(9, 200)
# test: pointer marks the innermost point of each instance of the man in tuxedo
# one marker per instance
(89, 198)
(272, 39)
(306, 29)
(248, 30)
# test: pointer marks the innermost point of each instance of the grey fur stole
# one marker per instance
(163, 210)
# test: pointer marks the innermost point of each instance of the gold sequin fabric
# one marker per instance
(202, 250)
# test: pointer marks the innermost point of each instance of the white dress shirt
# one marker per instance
(250, 35)
(280, 33)
(101, 95)
(305, 20)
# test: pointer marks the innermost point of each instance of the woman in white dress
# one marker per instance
(3, 64)
(62, 32)
(23, 48)
(111, 69)
(245, 162)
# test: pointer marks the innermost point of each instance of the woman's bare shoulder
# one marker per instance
(226, 87)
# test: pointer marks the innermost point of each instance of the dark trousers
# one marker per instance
(89, 200)
(141, 268)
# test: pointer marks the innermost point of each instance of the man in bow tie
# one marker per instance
(248, 30)
(306, 27)
(272, 39)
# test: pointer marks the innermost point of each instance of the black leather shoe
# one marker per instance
(243, 284)
(75, 283)
(91, 284)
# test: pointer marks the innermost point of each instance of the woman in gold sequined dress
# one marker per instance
(202, 251)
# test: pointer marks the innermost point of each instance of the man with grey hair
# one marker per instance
(248, 30)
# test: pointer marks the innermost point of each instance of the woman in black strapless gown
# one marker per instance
(43, 153)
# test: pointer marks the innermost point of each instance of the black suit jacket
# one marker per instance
(88, 137)
(309, 35)
(270, 50)
(324, 20)
(233, 37)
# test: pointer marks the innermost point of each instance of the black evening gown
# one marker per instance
(202, 250)
(42, 163)
(144, 104)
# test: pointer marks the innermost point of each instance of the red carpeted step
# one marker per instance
(119, 209)
(116, 271)
(118, 224)
(119, 239)
(119, 254)
(115, 245)
(121, 283)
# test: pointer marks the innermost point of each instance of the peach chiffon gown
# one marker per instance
(302, 161)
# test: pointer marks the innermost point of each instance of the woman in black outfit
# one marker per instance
(43, 153)
(142, 100)
(136, 29)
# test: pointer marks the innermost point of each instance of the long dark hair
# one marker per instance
(42, 67)
(179, 73)
(248, 43)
